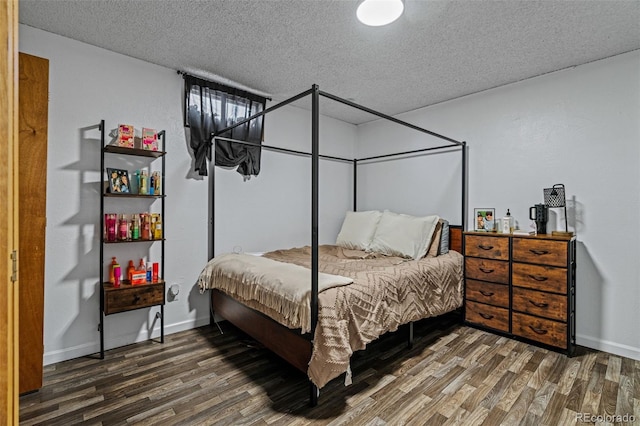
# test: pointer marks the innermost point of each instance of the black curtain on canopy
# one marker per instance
(211, 107)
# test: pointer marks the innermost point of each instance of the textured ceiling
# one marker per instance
(436, 51)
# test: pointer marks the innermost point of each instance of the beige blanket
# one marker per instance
(284, 287)
(386, 292)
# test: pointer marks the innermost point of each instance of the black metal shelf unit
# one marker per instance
(129, 297)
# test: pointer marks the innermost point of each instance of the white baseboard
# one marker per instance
(90, 348)
(607, 346)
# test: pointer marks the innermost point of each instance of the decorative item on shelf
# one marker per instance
(144, 182)
(118, 181)
(157, 183)
(157, 230)
(112, 266)
(117, 275)
(145, 226)
(135, 227)
(123, 228)
(506, 223)
(484, 219)
(125, 136)
(134, 182)
(540, 215)
(110, 227)
(149, 139)
(130, 270)
(555, 197)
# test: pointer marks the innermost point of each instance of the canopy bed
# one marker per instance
(344, 296)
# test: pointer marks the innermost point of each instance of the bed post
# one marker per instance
(315, 143)
(212, 199)
(355, 185)
(463, 219)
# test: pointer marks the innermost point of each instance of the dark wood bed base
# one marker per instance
(291, 345)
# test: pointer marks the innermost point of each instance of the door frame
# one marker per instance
(9, 401)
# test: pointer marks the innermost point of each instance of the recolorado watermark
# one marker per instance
(605, 418)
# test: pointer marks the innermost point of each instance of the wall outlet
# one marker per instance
(174, 291)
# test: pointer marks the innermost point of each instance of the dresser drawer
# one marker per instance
(537, 277)
(552, 306)
(127, 297)
(486, 247)
(490, 293)
(544, 252)
(496, 271)
(541, 330)
(487, 315)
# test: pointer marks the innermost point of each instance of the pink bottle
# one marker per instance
(117, 274)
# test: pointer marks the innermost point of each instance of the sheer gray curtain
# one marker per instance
(211, 107)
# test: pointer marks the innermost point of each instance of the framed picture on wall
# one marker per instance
(118, 181)
(484, 219)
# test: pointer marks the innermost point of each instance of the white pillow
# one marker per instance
(403, 235)
(358, 229)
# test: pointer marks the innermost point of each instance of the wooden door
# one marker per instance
(9, 283)
(32, 148)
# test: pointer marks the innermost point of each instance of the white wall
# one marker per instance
(87, 84)
(578, 127)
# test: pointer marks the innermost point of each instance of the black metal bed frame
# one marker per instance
(315, 93)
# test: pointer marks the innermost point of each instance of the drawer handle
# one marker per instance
(538, 277)
(486, 270)
(136, 298)
(538, 330)
(486, 293)
(483, 247)
(486, 316)
(539, 252)
(539, 304)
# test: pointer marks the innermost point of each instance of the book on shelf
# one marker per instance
(125, 136)
(149, 139)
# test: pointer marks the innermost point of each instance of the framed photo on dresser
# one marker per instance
(484, 219)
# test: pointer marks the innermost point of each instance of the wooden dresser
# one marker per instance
(522, 286)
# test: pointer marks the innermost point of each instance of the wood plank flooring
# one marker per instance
(453, 375)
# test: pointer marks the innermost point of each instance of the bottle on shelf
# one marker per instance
(157, 231)
(135, 227)
(144, 182)
(117, 275)
(112, 265)
(145, 232)
(130, 269)
(157, 183)
(135, 182)
(110, 225)
(152, 185)
(123, 228)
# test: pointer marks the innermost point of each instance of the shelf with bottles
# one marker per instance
(140, 183)
(132, 275)
(132, 228)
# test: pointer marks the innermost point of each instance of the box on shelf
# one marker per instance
(149, 139)
(138, 277)
(125, 136)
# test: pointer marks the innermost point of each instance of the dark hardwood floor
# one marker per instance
(453, 375)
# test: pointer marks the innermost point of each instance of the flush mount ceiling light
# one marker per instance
(376, 13)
